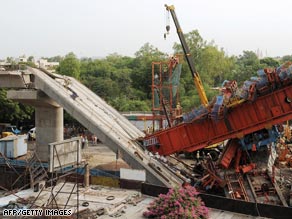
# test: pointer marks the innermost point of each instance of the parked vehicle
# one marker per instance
(10, 130)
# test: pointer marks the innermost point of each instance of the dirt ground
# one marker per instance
(99, 156)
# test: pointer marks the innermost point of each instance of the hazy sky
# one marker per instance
(101, 27)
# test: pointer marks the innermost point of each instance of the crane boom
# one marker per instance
(191, 64)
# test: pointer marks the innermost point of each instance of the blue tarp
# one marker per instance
(93, 172)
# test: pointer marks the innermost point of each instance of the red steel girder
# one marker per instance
(245, 118)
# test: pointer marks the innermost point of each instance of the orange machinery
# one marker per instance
(271, 107)
(265, 101)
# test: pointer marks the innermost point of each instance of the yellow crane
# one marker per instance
(190, 61)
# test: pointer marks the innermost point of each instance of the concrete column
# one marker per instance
(86, 176)
(49, 128)
(48, 118)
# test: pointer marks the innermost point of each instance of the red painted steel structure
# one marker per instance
(242, 119)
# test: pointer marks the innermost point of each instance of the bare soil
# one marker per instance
(99, 156)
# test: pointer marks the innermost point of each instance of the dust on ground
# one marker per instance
(99, 156)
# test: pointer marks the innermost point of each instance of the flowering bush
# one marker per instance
(178, 203)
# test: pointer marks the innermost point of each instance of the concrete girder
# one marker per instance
(14, 79)
(104, 126)
(35, 98)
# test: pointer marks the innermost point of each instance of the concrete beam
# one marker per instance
(35, 98)
(14, 79)
(101, 124)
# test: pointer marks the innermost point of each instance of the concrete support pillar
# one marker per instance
(49, 128)
(86, 176)
(48, 118)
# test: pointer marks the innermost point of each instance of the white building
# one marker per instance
(43, 63)
(22, 59)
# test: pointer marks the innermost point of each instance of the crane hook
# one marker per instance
(167, 28)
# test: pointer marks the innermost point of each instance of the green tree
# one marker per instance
(105, 88)
(95, 68)
(142, 67)
(211, 63)
(286, 58)
(70, 66)
(195, 43)
(30, 59)
(269, 62)
(11, 111)
(125, 104)
(110, 78)
(215, 66)
(10, 60)
(55, 59)
(247, 65)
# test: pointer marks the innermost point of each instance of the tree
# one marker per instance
(69, 66)
(105, 88)
(30, 59)
(286, 58)
(11, 111)
(215, 66)
(96, 68)
(125, 104)
(247, 66)
(211, 63)
(195, 43)
(10, 60)
(269, 62)
(142, 66)
(110, 78)
(55, 59)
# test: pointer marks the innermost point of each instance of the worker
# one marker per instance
(148, 130)
(186, 183)
(178, 110)
(94, 139)
(173, 62)
(82, 141)
(198, 157)
(253, 147)
(86, 142)
(67, 82)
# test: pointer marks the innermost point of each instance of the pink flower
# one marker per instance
(176, 204)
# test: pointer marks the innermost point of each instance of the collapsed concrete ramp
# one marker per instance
(106, 123)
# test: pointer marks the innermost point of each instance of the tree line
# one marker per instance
(125, 82)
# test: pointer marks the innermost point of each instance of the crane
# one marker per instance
(269, 104)
(191, 64)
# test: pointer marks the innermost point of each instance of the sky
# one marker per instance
(97, 28)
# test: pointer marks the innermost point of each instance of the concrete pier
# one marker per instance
(49, 128)
(48, 118)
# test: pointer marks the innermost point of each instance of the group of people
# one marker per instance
(85, 142)
(79, 131)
